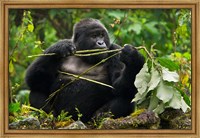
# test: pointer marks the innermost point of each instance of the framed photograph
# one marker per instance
(99, 68)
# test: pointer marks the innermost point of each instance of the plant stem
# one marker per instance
(97, 53)
(35, 109)
(78, 53)
(90, 50)
(119, 29)
(39, 55)
(143, 47)
(83, 78)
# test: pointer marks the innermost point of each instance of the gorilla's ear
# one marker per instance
(75, 36)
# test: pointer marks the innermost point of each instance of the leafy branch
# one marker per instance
(121, 25)
(157, 86)
(27, 25)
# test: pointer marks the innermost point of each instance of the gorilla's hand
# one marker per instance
(62, 48)
(130, 55)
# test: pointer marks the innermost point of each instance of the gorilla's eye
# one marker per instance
(94, 35)
(98, 34)
(101, 35)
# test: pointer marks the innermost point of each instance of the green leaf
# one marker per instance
(175, 101)
(166, 62)
(11, 67)
(155, 79)
(37, 44)
(142, 79)
(116, 14)
(30, 27)
(164, 92)
(136, 28)
(187, 55)
(153, 101)
(185, 97)
(177, 54)
(159, 109)
(14, 107)
(150, 26)
(184, 106)
(139, 98)
(169, 75)
(23, 96)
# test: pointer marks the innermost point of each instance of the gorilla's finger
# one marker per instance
(73, 49)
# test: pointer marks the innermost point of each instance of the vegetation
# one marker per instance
(163, 36)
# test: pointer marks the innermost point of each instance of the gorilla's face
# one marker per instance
(96, 38)
(91, 34)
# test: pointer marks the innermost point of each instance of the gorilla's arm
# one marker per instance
(42, 73)
(123, 77)
(123, 69)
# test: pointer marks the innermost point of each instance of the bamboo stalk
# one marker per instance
(83, 78)
(97, 53)
(78, 52)
(90, 50)
(83, 53)
(39, 55)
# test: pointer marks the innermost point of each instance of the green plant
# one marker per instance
(64, 116)
(78, 113)
(158, 83)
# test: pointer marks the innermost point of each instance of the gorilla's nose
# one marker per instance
(101, 43)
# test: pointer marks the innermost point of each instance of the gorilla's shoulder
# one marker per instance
(64, 42)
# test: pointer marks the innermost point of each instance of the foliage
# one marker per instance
(158, 84)
(165, 78)
(78, 113)
(63, 119)
(19, 112)
(63, 116)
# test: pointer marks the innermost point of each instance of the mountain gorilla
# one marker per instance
(43, 76)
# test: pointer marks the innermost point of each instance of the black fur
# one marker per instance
(43, 77)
